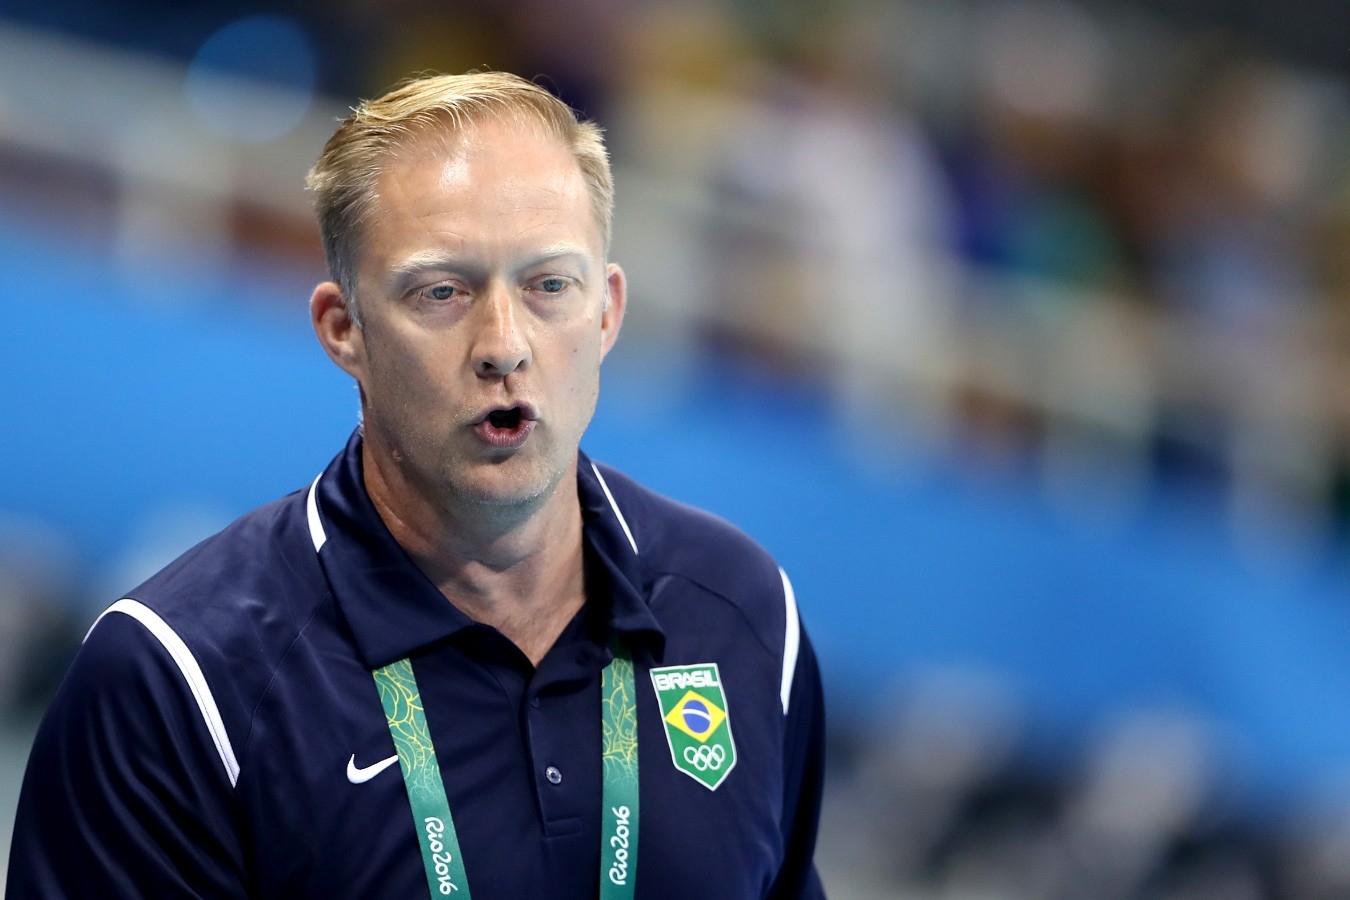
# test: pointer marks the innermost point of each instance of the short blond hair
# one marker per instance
(344, 178)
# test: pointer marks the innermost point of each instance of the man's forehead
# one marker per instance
(449, 139)
(488, 169)
(495, 192)
(505, 155)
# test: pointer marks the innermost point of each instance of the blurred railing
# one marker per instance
(150, 144)
(811, 222)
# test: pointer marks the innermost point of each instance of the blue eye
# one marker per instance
(441, 292)
(553, 285)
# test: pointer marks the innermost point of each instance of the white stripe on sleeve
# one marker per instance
(192, 673)
(792, 637)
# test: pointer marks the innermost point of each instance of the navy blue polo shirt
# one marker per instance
(220, 735)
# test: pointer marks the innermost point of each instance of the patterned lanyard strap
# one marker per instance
(431, 809)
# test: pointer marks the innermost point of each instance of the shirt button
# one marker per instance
(553, 775)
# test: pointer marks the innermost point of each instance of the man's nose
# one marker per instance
(500, 347)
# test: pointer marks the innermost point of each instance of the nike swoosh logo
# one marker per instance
(361, 776)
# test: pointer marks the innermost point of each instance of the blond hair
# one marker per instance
(344, 178)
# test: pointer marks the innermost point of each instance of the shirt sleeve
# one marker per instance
(124, 795)
(804, 759)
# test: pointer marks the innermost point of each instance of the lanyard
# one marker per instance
(431, 809)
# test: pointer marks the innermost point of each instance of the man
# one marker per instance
(467, 658)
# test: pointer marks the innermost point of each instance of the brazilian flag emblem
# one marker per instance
(697, 725)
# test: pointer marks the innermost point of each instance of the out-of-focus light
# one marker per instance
(254, 79)
(1045, 58)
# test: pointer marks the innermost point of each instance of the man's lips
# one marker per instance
(526, 411)
(506, 427)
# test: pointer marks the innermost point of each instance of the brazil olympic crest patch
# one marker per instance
(698, 727)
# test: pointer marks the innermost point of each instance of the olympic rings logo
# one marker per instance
(705, 757)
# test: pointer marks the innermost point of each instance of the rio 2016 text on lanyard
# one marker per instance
(441, 857)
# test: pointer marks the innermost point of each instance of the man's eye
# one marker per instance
(440, 292)
(552, 285)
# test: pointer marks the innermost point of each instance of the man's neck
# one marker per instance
(523, 575)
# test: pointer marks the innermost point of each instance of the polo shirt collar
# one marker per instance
(394, 609)
(607, 534)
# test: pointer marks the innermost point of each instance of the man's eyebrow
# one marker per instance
(421, 262)
(562, 251)
(558, 251)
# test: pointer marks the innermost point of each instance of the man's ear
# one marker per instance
(616, 301)
(342, 340)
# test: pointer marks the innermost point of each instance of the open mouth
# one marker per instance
(506, 429)
(508, 419)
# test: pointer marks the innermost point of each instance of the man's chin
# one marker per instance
(504, 487)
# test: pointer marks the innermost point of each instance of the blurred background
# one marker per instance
(1018, 331)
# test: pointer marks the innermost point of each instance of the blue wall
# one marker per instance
(116, 404)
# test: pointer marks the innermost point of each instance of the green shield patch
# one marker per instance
(698, 725)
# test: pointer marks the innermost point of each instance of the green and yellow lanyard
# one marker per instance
(431, 809)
